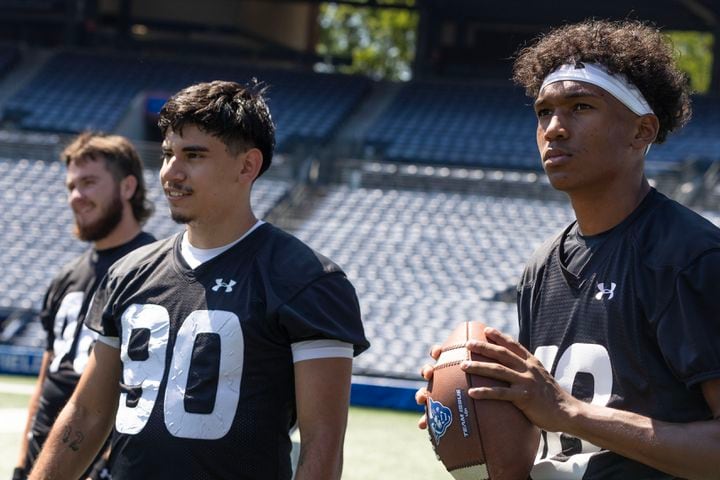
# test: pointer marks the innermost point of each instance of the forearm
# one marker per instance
(322, 391)
(32, 409)
(76, 438)
(317, 463)
(687, 450)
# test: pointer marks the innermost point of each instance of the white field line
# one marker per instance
(12, 420)
(16, 388)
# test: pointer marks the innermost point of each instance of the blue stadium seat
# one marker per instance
(423, 261)
(37, 225)
(74, 92)
(475, 125)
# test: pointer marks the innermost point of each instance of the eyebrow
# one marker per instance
(89, 176)
(188, 148)
(580, 93)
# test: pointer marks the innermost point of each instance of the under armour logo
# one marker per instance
(220, 284)
(610, 292)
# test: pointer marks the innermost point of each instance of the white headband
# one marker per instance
(616, 85)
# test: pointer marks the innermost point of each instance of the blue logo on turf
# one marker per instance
(440, 418)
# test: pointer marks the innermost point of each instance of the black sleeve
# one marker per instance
(688, 330)
(528, 289)
(100, 312)
(47, 315)
(326, 309)
(524, 299)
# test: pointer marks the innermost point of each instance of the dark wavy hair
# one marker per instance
(121, 160)
(236, 114)
(633, 48)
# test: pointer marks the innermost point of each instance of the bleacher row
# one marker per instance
(420, 261)
(455, 124)
(37, 224)
(424, 261)
(75, 92)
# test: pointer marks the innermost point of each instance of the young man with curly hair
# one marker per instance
(215, 342)
(618, 358)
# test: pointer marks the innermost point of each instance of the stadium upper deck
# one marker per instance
(426, 122)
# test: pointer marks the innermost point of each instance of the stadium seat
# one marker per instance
(423, 261)
(466, 124)
(38, 224)
(75, 92)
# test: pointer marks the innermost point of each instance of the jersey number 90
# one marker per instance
(194, 405)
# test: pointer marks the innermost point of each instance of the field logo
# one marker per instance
(440, 418)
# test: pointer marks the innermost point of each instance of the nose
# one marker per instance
(555, 128)
(75, 195)
(171, 170)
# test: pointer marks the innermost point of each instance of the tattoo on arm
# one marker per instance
(73, 439)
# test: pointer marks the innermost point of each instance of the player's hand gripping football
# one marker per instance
(531, 387)
(427, 373)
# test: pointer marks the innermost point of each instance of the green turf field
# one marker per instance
(380, 444)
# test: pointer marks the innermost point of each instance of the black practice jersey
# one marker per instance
(207, 388)
(636, 328)
(68, 339)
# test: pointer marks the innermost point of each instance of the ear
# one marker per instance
(647, 128)
(128, 186)
(250, 163)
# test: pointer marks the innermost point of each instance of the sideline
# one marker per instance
(12, 420)
(16, 388)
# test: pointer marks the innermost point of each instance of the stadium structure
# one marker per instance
(428, 193)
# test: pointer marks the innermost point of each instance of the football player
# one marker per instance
(216, 342)
(618, 359)
(106, 193)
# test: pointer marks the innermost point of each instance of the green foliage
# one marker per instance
(693, 51)
(379, 42)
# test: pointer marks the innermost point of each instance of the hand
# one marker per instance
(99, 472)
(427, 372)
(531, 388)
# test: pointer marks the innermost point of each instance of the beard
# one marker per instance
(180, 218)
(102, 227)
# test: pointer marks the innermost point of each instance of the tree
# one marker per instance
(379, 42)
(693, 51)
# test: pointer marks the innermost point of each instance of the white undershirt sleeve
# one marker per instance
(313, 349)
(110, 341)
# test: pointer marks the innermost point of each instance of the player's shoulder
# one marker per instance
(287, 255)
(140, 257)
(73, 265)
(143, 238)
(673, 234)
(539, 258)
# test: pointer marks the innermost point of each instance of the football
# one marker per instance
(475, 439)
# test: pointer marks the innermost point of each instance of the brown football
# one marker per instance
(475, 439)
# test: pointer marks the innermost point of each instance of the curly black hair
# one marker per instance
(633, 48)
(235, 113)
